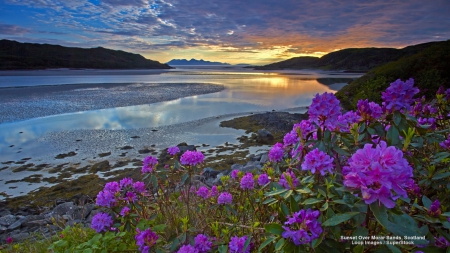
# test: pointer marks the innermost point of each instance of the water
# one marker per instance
(245, 91)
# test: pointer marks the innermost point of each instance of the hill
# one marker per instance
(194, 62)
(350, 59)
(430, 68)
(16, 55)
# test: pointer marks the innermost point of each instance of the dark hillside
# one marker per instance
(15, 55)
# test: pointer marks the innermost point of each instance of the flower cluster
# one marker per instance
(304, 128)
(319, 161)
(173, 150)
(345, 121)
(107, 197)
(203, 192)
(263, 179)
(288, 180)
(302, 227)
(149, 164)
(234, 174)
(202, 243)
(290, 138)
(276, 152)
(377, 172)
(435, 208)
(145, 239)
(325, 110)
(247, 182)
(192, 158)
(399, 95)
(446, 144)
(125, 190)
(237, 244)
(187, 249)
(224, 198)
(101, 222)
(369, 110)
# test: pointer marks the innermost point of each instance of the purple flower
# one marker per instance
(234, 174)
(346, 120)
(290, 138)
(263, 179)
(9, 240)
(112, 187)
(149, 164)
(187, 249)
(101, 222)
(441, 242)
(399, 95)
(276, 153)
(325, 110)
(214, 191)
(435, 208)
(106, 198)
(319, 161)
(369, 110)
(125, 211)
(298, 151)
(202, 243)
(130, 197)
(309, 227)
(446, 144)
(192, 158)
(288, 180)
(237, 244)
(304, 128)
(247, 182)
(139, 187)
(126, 182)
(203, 192)
(379, 172)
(145, 239)
(225, 198)
(173, 150)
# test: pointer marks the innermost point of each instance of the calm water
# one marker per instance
(245, 91)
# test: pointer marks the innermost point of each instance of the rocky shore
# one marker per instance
(72, 201)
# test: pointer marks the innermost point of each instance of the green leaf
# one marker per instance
(279, 244)
(312, 201)
(358, 249)
(393, 248)
(285, 209)
(270, 201)
(324, 207)
(308, 179)
(294, 205)
(276, 192)
(426, 201)
(247, 242)
(338, 219)
(287, 194)
(397, 118)
(393, 136)
(438, 176)
(274, 228)
(340, 151)
(223, 249)
(305, 190)
(266, 242)
(184, 179)
(316, 242)
(159, 228)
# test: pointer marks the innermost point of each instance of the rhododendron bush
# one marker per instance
(380, 173)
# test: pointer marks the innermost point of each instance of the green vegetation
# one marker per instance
(293, 63)
(430, 69)
(15, 55)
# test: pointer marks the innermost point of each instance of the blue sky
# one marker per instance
(233, 31)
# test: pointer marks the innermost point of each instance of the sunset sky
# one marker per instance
(233, 31)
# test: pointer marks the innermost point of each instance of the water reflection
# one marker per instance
(244, 92)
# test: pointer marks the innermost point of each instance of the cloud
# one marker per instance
(7, 29)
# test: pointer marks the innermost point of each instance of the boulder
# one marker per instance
(264, 137)
(7, 220)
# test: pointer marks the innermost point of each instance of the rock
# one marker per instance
(104, 154)
(145, 151)
(20, 237)
(264, 136)
(264, 158)
(250, 168)
(4, 213)
(100, 166)
(37, 223)
(3, 229)
(236, 166)
(28, 221)
(61, 156)
(210, 173)
(7, 220)
(15, 225)
(126, 147)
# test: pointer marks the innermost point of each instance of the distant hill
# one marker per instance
(16, 55)
(350, 59)
(430, 68)
(194, 62)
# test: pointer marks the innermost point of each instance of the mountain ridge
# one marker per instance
(27, 56)
(194, 62)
